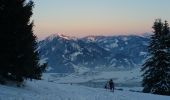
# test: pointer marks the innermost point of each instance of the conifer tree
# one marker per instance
(19, 59)
(156, 76)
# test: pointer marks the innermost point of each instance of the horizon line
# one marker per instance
(97, 35)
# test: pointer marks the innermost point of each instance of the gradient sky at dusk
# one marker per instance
(97, 17)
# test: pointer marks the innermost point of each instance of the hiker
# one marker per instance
(111, 84)
(106, 85)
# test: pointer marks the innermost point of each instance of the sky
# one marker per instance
(81, 18)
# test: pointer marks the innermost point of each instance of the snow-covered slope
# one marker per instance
(43, 90)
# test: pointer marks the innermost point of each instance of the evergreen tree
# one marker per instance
(156, 76)
(18, 56)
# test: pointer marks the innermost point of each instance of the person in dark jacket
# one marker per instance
(111, 85)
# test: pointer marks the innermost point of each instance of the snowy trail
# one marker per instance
(42, 90)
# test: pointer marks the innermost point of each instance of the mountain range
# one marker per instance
(66, 54)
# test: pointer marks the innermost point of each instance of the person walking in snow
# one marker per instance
(111, 85)
(106, 85)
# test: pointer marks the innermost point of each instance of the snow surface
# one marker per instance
(43, 90)
(43, 61)
(79, 77)
(143, 53)
(74, 55)
(124, 38)
(113, 45)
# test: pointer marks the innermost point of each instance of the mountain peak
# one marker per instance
(91, 38)
(58, 35)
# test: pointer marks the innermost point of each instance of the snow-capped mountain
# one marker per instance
(101, 53)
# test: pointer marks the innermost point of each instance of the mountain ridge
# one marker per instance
(65, 54)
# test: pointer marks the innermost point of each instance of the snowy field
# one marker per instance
(74, 87)
(43, 90)
(131, 78)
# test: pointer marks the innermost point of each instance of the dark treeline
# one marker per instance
(19, 59)
(156, 76)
